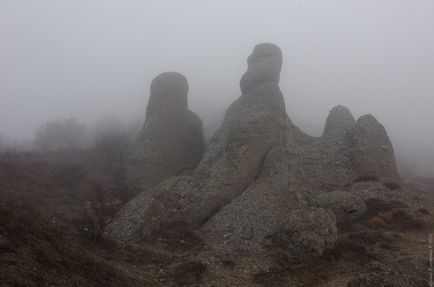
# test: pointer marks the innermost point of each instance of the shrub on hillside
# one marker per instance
(35, 243)
(401, 218)
(99, 212)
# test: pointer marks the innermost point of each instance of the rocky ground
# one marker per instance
(41, 244)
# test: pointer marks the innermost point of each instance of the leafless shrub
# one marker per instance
(112, 142)
(99, 212)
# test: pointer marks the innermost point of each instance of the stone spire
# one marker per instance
(171, 140)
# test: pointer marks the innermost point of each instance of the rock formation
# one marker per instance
(242, 165)
(345, 205)
(261, 178)
(171, 140)
(306, 234)
(373, 151)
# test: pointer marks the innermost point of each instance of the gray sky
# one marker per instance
(87, 58)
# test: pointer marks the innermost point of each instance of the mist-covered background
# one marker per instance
(89, 59)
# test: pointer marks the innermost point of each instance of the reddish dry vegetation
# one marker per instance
(397, 218)
(40, 245)
(34, 251)
(391, 215)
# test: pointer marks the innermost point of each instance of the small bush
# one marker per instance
(424, 211)
(392, 185)
(99, 212)
(404, 218)
(401, 218)
(369, 176)
(376, 206)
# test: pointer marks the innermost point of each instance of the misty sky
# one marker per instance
(89, 58)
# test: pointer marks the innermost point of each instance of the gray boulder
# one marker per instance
(373, 189)
(344, 205)
(306, 235)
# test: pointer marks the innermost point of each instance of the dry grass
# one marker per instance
(400, 218)
(33, 241)
(376, 223)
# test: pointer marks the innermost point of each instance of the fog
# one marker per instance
(87, 59)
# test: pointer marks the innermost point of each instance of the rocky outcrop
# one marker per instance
(260, 178)
(171, 140)
(264, 65)
(339, 123)
(242, 171)
(257, 148)
(325, 163)
(373, 151)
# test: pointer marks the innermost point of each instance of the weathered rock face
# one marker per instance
(264, 65)
(339, 123)
(260, 175)
(373, 151)
(242, 171)
(258, 127)
(324, 163)
(171, 140)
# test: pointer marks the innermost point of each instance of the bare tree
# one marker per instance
(101, 211)
(113, 143)
(2, 144)
(60, 134)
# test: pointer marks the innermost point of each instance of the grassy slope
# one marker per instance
(37, 247)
